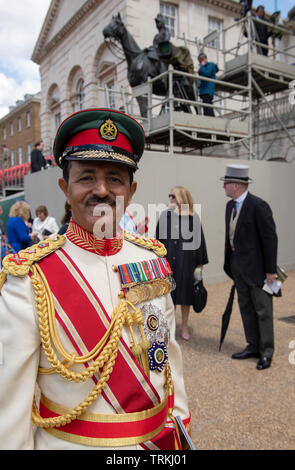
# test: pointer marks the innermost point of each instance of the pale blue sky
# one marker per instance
(21, 22)
(273, 5)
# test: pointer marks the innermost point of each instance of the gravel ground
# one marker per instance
(233, 405)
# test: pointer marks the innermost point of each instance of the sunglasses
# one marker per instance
(172, 195)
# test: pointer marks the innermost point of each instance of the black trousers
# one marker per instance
(256, 307)
(208, 99)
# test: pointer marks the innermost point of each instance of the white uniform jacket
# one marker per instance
(21, 353)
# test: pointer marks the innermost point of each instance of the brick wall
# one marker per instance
(25, 133)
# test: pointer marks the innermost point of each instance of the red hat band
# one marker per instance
(93, 137)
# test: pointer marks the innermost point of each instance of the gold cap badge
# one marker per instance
(108, 130)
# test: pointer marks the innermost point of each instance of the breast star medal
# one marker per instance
(157, 333)
(155, 324)
(157, 356)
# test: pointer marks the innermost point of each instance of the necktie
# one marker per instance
(235, 209)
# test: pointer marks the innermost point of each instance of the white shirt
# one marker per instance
(48, 224)
(239, 201)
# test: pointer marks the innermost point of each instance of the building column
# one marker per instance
(91, 95)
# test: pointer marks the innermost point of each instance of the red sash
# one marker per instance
(84, 320)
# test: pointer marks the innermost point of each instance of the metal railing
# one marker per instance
(232, 100)
(12, 178)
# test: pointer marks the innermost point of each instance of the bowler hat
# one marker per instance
(237, 174)
(99, 135)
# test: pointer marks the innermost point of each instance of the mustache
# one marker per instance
(98, 200)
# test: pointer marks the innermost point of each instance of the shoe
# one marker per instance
(263, 363)
(185, 336)
(246, 354)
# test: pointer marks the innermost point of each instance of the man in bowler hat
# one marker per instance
(250, 259)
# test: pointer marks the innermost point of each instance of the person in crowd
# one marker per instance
(5, 247)
(2, 228)
(18, 232)
(102, 303)
(44, 224)
(66, 219)
(207, 89)
(4, 156)
(128, 223)
(38, 161)
(262, 30)
(179, 229)
(250, 259)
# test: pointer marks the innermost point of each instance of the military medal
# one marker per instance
(145, 280)
(155, 324)
(157, 356)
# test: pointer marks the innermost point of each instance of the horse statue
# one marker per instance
(180, 57)
(141, 63)
(149, 62)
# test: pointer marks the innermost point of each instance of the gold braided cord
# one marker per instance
(132, 315)
(80, 409)
(69, 357)
(30, 255)
(105, 361)
(149, 243)
(45, 312)
(3, 278)
(88, 154)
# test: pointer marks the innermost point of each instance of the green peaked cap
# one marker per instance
(99, 135)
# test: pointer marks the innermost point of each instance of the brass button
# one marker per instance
(121, 295)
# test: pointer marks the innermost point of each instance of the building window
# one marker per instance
(19, 124)
(111, 98)
(170, 13)
(20, 155)
(214, 24)
(11, 128)
(29, 149)
(4, 133)
(12, 157)
(81, 95)
(28, 119)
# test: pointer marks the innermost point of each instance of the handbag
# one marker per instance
(46, 232)
(200, 296)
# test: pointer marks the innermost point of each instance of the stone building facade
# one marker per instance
(76, 63)
(79, 69)
(20, 129)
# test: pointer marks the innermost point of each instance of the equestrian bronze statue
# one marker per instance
(144, 63)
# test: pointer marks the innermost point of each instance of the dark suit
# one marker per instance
(255, 254)
(37, 160)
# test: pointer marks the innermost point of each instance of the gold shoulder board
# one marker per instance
(148, 243)
(19, 264)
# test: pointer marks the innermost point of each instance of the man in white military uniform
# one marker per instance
(89, 319)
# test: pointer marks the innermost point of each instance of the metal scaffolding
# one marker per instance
(247, 81)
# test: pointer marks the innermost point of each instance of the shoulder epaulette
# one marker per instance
(148, 243)
(19, 264)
